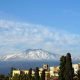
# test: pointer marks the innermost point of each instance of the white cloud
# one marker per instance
(17, 35)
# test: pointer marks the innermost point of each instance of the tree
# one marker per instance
(30, 74)
(26, 76)
(2, 77)
(69, 71)
(78, 74)
(37, 73)
(33, 78)
(6, 78)
(22, 77)
(16, 77)
(62, 68)
(43, 75)
(12, 68)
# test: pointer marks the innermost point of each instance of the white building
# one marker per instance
(55, 69)
(52, 71)
(76, 67)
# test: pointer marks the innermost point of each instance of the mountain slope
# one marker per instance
(34, 54)
(31, 54)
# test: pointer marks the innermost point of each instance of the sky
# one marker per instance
(52, 25)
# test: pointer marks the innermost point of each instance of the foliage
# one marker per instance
(43, 75)
(16, 77)
(66, 71)
(37, 73)
(3, 77)
(12, 68)
(69, 71)
(62, 68)
(78, 74)
(30, 74)
(23, 77)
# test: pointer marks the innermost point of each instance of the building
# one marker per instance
(45, 67)
(15, 72)
(21, 72)
(76, 67)
(54, 71)
(50, 71)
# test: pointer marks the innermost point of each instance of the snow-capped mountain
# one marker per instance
(31, 54)
(28, 58)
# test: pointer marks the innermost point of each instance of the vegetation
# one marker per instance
(62, 68)
(30, 74)
(78, 74)
(66, 70)
(37, 73)
(3, 77)
(69, 71)
(43, 75)
(12, 68)
(16, 77)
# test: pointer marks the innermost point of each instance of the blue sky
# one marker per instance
(53, 25)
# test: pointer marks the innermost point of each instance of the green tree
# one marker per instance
(30, 74)
(12, 68)
(78, 74)
(43, 75)
(26, 76)
(22, 77)
(15, 77)
(2, 77)
(69, 71)
(6, 78)
(62, 68)
(33, 78)
(37, 73)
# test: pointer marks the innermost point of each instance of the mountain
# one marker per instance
(28, 58)
(34, 55)
(31, 54)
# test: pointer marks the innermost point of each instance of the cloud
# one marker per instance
(18, 36)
